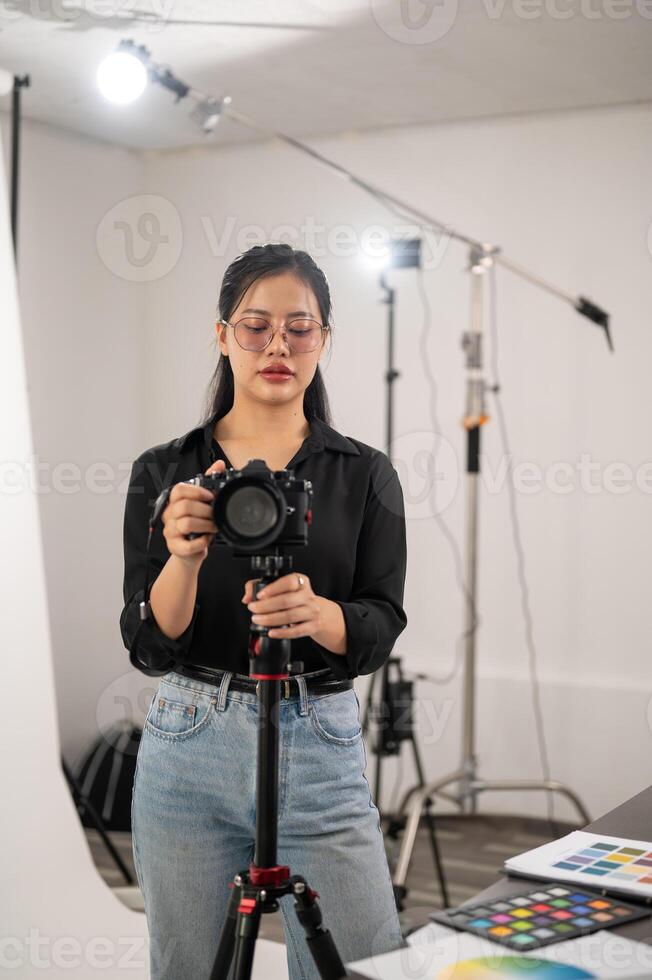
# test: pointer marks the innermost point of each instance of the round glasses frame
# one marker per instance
(296, 319)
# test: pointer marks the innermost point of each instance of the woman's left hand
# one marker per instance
(291, 608)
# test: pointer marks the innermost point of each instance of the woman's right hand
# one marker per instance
(190, 508)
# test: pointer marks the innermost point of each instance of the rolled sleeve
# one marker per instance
(374, 614)
(155, 653)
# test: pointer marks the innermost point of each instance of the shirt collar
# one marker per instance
(322, 436)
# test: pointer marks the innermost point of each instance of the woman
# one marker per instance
(193, 805)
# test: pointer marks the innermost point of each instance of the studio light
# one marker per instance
(375, 261)
(396, 253)
(207, 112)
(122, 76)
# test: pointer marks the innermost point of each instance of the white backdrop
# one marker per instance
(57, 914)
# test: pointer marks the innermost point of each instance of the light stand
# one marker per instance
(16, 120)
(406, 254)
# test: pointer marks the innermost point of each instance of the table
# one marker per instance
(631, 819)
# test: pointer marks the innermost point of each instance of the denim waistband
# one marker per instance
(221, 691)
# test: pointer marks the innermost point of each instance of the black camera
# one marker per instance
(256, 508)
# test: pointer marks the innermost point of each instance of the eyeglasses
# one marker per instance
(254, 333)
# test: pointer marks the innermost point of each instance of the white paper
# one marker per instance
(605, 955)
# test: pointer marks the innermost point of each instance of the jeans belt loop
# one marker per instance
(286, 688)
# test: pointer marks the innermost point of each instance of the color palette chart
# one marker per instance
(538, 918)
(613, 864)
(619, 864)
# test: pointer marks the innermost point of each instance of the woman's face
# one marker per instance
(275, 298)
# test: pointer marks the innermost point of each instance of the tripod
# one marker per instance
(257, 889)
(395, 725)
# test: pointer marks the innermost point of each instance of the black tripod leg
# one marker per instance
(380, 732)
(369, 705)
(246, 929)
(224, 955)
(319, 940)
(80, 800)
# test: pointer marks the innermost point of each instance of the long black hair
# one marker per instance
(257, 262)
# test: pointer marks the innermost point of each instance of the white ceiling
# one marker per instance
(366, 63)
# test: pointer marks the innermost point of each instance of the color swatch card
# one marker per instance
(533, 919)
(436, 953)
(600, 862)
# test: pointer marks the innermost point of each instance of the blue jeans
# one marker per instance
(193, 822)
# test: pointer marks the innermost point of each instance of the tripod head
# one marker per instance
(269, 658)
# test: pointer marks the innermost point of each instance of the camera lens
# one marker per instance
(251, 511)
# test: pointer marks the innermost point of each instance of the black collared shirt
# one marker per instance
(356, 555)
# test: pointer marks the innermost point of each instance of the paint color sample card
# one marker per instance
(539, 918)
(609, 863)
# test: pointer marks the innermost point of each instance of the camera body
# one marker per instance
(256, 509)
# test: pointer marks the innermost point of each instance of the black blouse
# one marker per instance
(356, 555)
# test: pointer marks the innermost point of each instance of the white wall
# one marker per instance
(564, 194)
